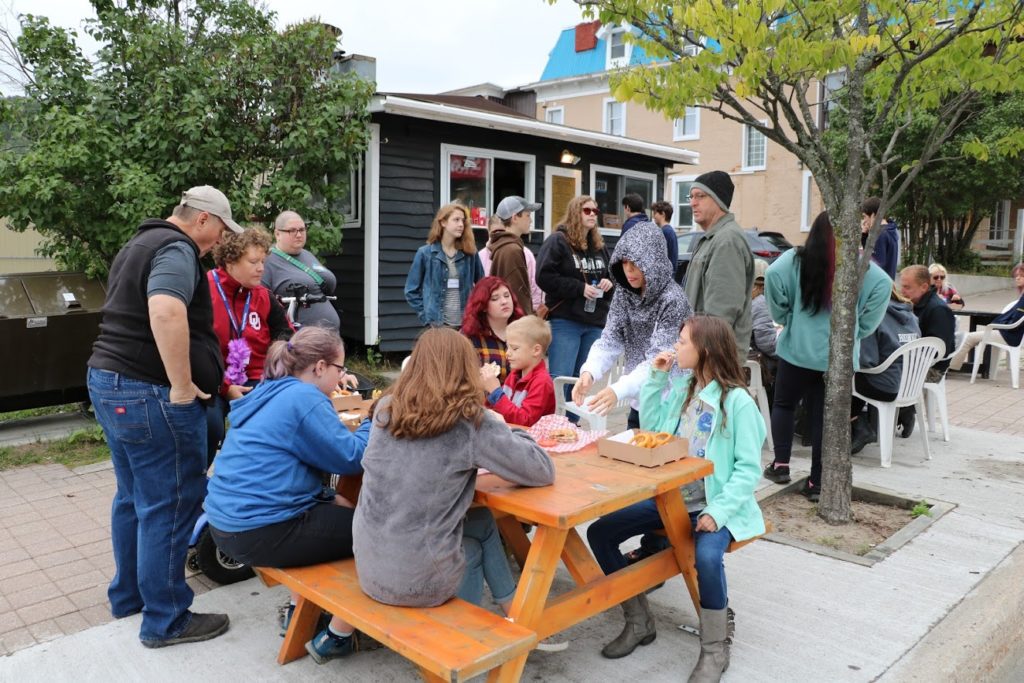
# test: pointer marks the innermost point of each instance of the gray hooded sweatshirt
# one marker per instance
(898, 327)
(640, 324)
(407, 530)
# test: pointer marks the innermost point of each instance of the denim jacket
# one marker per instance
(734, 450)
(428, 280)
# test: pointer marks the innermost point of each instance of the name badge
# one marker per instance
(453, 283)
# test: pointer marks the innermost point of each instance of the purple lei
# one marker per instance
(238, 359)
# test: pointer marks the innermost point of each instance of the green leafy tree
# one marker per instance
(181, 93)
(762, 63)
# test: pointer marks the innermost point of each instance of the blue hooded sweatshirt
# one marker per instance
(284, 434)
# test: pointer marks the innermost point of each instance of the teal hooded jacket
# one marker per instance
(735, 450)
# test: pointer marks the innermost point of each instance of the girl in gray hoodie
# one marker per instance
(414, 543)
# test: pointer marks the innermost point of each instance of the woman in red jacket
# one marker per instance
(247, 319)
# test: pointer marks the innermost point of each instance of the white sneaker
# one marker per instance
(552, 645)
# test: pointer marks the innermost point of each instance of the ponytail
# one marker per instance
(309, 345)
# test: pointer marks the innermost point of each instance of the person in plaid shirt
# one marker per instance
(490, 308)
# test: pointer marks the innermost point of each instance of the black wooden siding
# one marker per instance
(409, 195)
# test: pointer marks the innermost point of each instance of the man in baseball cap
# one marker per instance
(508, 260)
(210, 199)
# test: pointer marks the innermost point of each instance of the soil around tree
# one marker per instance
(794, 516)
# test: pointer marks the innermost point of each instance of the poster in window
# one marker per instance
(563, 189)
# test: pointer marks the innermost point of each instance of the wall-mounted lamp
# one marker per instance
(569, 158)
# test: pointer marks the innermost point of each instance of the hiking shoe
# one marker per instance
(777, 473)
(286, 619)
(326, 646)
(549, 644)
(201, 627)
(810, 492)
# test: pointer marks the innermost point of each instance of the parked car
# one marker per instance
(776, 238)
(760, 247)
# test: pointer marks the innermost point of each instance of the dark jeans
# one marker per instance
(607, 533)
(322, 533)
(158, 450)
(864, 388)
(633, 421)
(793, 383)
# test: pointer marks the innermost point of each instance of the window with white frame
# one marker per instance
(999, 226)
(755, 149)
(555, 115)
(608, 185)
(683, 217)
(618, 49)
(687, 127)
(479, 178)
(691, 44)
(347, 188)
(614, 117)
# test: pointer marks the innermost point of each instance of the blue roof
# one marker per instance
(565, 62)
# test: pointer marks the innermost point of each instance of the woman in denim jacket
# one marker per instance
(444, 270)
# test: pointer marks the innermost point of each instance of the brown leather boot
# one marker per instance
(639, 629)
(714, 647)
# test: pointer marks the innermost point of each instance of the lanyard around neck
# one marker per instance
(235, 327)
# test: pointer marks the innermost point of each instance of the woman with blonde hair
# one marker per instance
(417, 542)
(573, 270)
(445, 269)
(946, 291)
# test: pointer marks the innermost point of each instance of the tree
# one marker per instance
(762, 63)
(182, 93)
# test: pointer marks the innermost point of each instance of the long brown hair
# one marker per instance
(716, 358)
(574, 230)
(439, 387)
(467, 243)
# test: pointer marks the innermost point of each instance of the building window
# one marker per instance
(349, 200)
(480, 178)
(609, 185)
(691, 44)
(687, 127)
(683, 217)
(614, 117)
(806, 187)
(555, 115)
(754, 149)
(999, 226)
(618, 49)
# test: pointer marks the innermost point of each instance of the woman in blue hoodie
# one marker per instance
(266, 503)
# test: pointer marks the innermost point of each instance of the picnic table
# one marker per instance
(586, 487)
(976, 319)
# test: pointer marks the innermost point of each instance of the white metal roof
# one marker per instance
(404, 106)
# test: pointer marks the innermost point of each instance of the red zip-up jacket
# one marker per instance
(267, 321)
(523, 401)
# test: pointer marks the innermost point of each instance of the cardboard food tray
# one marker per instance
(618, 447)
(350, 402)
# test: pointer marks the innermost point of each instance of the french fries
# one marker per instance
(650, 439)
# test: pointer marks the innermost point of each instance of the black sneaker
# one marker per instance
(202, 627)
(777, 473)
(810, 492)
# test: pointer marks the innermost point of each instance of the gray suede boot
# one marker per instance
(714, 648)
(639, 628)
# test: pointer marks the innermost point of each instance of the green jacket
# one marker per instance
(735, 451)
(804, 340)
(720, 277)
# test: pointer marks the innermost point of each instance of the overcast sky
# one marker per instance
(420, 45)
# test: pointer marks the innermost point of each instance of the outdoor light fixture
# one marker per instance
(569, 158)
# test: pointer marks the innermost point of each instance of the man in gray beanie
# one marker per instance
(721, 271)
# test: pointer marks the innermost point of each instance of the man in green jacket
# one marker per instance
(721, 272)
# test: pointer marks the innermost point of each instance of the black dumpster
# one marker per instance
(48, 322)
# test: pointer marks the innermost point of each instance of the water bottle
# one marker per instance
(591, 304)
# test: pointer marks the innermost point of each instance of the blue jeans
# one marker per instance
(570, 344)
(607, 533)
(485, 559)
(159, 454)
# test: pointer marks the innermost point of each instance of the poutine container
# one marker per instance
(618, 447)
(351, 402)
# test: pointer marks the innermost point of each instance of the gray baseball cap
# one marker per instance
(510, 206)
(210, 199)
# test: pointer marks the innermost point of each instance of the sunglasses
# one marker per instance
(589, 211)
(938, 277)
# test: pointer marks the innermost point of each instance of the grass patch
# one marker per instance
(39, 412)
(921, 508)
(83, 447)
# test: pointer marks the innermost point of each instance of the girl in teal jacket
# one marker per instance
(711, 408)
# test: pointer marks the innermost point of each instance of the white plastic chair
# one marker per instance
(935, 401)
(564, 407)
(917, 356)
(995, 340)
(757, 391)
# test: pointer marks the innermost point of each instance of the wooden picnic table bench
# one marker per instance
(452, 642)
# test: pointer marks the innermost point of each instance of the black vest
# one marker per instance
(126, 342)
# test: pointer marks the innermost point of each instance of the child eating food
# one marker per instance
(529, 392)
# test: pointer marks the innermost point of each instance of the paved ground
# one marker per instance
(803, 616)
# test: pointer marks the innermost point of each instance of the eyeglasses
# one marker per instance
(938, 277)
(697, 196)
(342, 368)
(589, 210)
(294, 231)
